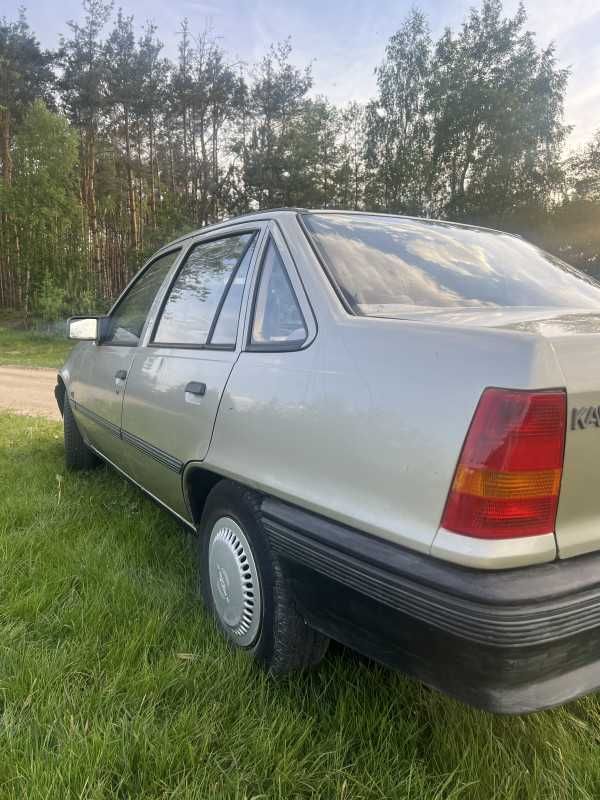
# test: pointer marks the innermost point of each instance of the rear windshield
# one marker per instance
(392, 266)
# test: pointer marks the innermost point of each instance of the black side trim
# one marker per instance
(109, 426)
(143, 446)
(156, 453)
(504, 608)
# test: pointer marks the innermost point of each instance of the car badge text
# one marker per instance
(585, 417)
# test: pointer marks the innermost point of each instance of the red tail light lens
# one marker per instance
(507, 481)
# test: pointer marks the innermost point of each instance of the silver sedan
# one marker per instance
(384, 430)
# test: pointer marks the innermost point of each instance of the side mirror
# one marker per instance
(89, 329)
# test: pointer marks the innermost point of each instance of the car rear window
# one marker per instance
(392, 266)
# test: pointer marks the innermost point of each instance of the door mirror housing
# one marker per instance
(87, 329)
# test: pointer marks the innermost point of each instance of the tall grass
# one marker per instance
(114, 684)
(32, 349)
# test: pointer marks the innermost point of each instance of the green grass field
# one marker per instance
(114, 684)
(30, 349)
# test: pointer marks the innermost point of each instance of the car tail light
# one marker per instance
(507, 481)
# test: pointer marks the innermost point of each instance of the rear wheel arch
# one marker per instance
(198, 482)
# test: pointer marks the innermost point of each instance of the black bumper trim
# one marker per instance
(500, 608)
(510, 641)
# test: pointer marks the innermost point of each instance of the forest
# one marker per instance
(108, 149)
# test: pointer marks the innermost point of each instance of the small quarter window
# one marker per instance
(127, 320)
(278, 319)
(196, 294)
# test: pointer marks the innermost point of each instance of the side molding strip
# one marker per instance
(156, 453)
(110, 426)
(167, 460)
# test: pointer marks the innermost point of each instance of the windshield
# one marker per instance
(392, 266)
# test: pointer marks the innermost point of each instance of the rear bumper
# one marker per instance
(509, 641)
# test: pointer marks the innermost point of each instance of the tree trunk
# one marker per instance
(152, 182)
(6, 156)
(133, 228)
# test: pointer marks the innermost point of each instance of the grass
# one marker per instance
(30, 349)
(114, 684)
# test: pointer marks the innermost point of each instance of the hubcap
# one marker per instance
(234, 581)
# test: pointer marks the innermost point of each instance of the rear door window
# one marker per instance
(195, 298)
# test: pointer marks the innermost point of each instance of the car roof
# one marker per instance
(275, 213)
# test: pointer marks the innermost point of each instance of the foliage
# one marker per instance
(43, 229)
(468, 127)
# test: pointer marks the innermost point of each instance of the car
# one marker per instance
(384, 430)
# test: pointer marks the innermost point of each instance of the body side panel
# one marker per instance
(366, 426)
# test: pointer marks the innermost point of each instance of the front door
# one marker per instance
(97, 392)
(177, 379)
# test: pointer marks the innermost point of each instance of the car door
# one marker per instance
(177, 378)
(266, 424)
(96, 391)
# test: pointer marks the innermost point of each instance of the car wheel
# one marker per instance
(77, 454)
(243, 584)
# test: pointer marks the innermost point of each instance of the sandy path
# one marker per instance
(28, 391)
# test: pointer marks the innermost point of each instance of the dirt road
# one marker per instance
(28, 391)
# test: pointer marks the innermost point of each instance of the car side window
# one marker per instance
(126, 323)
(196, 294)
(277, 319)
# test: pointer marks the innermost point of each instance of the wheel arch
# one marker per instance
(60, 392)
(198, 482)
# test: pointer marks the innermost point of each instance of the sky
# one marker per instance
(345, 39)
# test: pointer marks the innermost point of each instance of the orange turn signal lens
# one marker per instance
(507, 485)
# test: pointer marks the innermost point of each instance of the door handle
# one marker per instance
(120, 374)
(194, 387)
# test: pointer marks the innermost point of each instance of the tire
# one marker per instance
(233, 548)
(78, 455)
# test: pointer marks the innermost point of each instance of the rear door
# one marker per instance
(177, 378)
(97, 388)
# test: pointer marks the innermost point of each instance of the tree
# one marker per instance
(82, 86)
(398, 129)
(25, 75)
(572, 228)
(350, 177)
(42, 206)
(276, 100)
(123, 90)
(468, 127)
(584, 169)
(495, 104)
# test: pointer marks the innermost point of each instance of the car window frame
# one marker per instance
(291, 271)
(223, 233)
(167, 250)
